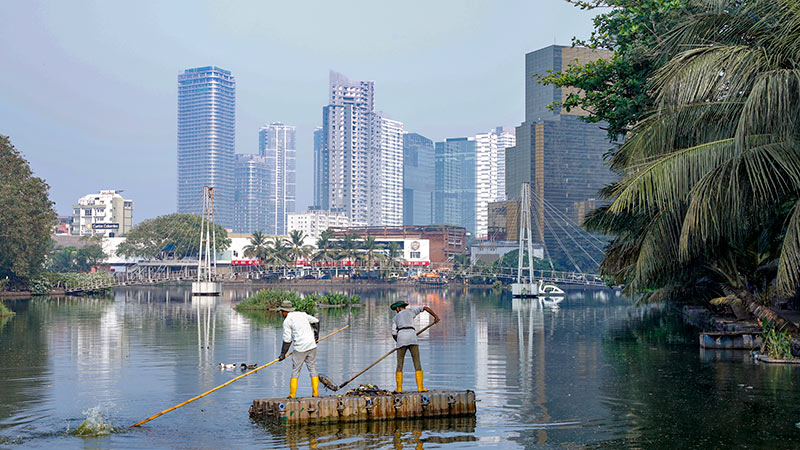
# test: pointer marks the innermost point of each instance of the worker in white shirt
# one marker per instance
(303, 330)
(405, 335)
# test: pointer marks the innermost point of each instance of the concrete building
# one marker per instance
(320, 170)
(506, 138)
(418, 179)
(488, 252)
(252, 194)
(206, 128)
(445, 241)
(276, 143)
(314, 221)
(455, 195)
(347, 123)
(105, 214)
(557, 152)
(385, 173)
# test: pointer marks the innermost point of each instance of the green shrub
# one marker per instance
(5, 312)
(40, 285)
(4, 284)
(339, 299)
(77, 280)
(269, 299)
(776, 344)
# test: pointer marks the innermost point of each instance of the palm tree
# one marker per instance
(258, 246)
(297, 247)
(372, 251)
(394, 255)
(709, 196)
(325, 252)
(277, 253)
(349, 247)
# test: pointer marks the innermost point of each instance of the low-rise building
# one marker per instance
(444, 241)
(105, 214)
(314, 221)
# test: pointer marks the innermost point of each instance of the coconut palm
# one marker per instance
(258, 246)
(297, 247)
(394, 255)
(371, 251)
(349, 248)
(326, 253)
(710, 179)
(277, 254)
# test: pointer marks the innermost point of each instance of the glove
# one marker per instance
(284, 349)
(315, 326)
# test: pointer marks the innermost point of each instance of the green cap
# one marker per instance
(396, 305)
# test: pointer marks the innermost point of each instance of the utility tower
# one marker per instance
(207, 256)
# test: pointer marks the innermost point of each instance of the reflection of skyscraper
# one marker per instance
(418, 179)
(206, 126)
(557, 152)
(454, 199)
(276, 142)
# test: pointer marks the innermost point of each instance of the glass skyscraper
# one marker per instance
(276, 143)
(320, 170)
(418, 179)
(456, 195)
(206, 127)
(251, 199)
(559, 154)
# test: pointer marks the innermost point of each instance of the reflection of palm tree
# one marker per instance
(297, 247)
(258, 247)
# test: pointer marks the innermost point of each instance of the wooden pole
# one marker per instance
(379, 360)
(224, 384)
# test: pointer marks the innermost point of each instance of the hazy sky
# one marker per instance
(88, 90)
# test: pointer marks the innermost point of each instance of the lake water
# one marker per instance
(595, 372)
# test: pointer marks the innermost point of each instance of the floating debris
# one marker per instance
(94, 424)
(367, 390)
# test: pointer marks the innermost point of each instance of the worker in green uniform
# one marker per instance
(405, 335)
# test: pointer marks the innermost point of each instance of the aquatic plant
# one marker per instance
(5, 312)
(94, 424)
(339, 299)
(775, 344)
(270, 299)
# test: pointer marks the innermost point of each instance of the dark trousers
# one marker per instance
(401, 356)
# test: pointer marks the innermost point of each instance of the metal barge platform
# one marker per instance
(361, 408)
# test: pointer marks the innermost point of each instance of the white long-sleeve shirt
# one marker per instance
(403, 325)
(297, 329)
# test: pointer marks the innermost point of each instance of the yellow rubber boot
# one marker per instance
(293, 388)
(398, 376)
(419, 382)
(315, 386)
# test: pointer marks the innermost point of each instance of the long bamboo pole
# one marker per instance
(225, 384)
(379, 360)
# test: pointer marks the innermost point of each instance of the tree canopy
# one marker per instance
(169, 236)
(26, 218)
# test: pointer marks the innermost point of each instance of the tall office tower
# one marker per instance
(276, 142)
(385, 172)
(505, 139)
(418, 179)
(347, 124)
(320, 170)
(455, 195)
(206, 127)
(557, 152)
(252, 194)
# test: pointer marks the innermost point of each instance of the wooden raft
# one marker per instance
(364, 408)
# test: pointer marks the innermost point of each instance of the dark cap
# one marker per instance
(396, 305)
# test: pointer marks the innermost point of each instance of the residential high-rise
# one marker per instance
(557, 152)
(252, 194)
(276, 142)
(106, 214)
(506, 138)
(347, 123)
(418, 179)
(206, 127)
(455, 196)
(320, 170)
(313, 222)
(385, 173)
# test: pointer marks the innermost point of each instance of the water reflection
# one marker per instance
(592, 372)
